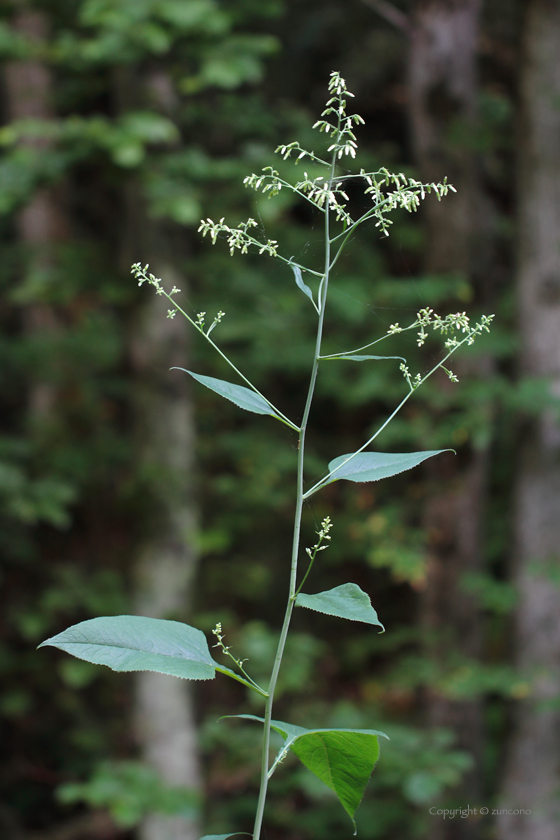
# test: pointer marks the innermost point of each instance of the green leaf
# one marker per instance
(137, 643)
(344, 761)
(222, 836)
(372, 466)
(300, 284)
(243, 397)
(342, 758)
(363, 358)
(346, 601)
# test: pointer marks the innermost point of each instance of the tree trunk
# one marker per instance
(532, 778)
(166, 554)
(41, 223)
(442, 95)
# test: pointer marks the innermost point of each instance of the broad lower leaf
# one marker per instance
(366, 358)
(301, 285)
(342, 758)
(238, 394)
(137, 643)
(346, 601)
(373, 466)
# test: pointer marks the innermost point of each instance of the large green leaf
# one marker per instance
(137, 643)
(346, 601)
(342, 758)
(372, 466)
(344, 761)
(238, 394)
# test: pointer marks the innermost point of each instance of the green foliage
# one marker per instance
(343, 759)
(137, 643)
(129, 791)
(345, 601)
(373, 466)
(237, 394)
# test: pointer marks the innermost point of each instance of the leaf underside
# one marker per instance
(138, 643)
(238, 394)
(342, 758)
(373, 466)
(300, 284)
(346, 601)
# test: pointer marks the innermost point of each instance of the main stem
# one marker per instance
(297, 529)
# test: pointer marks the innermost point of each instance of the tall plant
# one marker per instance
(342, 758)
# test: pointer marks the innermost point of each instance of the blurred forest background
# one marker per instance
(125, 488)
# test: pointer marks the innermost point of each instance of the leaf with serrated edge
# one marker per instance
(138, 643)
(346, 601)
(299, 281)
(342, 758)
(238, 394)
(373, 466)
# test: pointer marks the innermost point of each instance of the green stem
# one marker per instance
(249, 683)
(280, 416)
(306, 575)
(367, 346)
(297, 530)
(328, 478)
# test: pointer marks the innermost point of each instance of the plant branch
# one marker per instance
(141, 273)
(328, 478)
(249, 683)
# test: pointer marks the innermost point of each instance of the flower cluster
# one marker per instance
(270, 181)
(345, 142)
(454, 322)
(323, 535)
(407, 195)
(238, 238)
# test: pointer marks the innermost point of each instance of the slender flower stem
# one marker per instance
(279, 415)
(297, 528)
(328, 478)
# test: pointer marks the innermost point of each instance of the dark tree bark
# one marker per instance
(42, 222)
(532, 777)
(443, 92)
(442, 95)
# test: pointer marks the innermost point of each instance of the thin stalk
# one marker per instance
(297, 529)
(306, 575)
(280, 416)
(295, 191)
(329, 477)
(247, 682)
(367, 346)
